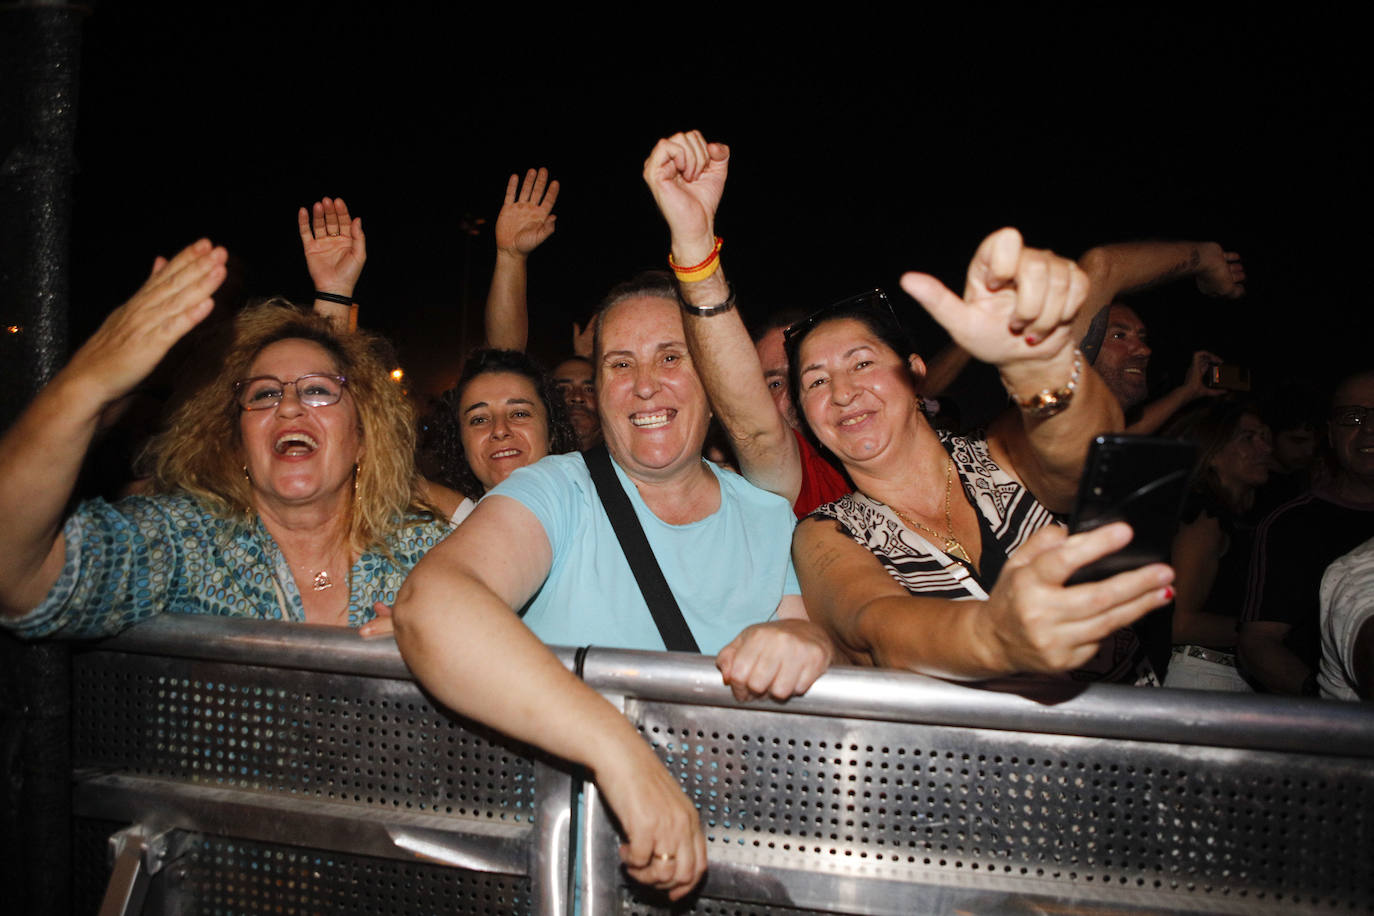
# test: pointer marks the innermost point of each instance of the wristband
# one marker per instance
(706, 311)
(698, 271)
(334, 297)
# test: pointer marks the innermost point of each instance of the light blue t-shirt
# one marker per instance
(727, 571)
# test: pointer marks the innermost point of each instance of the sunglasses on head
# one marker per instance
(874, 300)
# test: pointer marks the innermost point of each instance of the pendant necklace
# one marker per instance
(952, 545)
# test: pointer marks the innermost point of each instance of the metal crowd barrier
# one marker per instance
(245, 767)
(270, 768)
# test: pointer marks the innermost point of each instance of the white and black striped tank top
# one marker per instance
(1008, 510)
(1009, 514)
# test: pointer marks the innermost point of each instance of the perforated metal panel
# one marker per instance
(347, 739)
(221, 877)
(1150, 825)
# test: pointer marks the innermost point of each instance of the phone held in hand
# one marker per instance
(1140, 480)
(1227, 376)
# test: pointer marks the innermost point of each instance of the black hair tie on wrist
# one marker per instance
(334, 297)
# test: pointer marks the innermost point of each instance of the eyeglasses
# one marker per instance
(266, 391)
(1352, 415)
(874, 300)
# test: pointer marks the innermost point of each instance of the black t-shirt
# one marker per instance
(1293, 547)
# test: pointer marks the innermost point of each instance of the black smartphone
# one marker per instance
(1140, 480)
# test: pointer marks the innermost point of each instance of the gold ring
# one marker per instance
(665, 856)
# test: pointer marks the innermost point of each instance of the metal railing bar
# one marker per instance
(1026, 705)
(484, 846)
(1191, 717)
(268, 643)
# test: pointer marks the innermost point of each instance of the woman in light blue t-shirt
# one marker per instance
(540, 539)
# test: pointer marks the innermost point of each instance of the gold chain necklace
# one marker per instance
(952, 545)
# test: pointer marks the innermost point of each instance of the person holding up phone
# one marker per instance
(855, 378)
(948, 561)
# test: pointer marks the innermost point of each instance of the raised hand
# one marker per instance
(335, 247)
(1019, 303)
(687, 177)
(1195, 385)
(135, 336)
(526, 218)
(1222, 275)
(584, 339)
(1036, 624)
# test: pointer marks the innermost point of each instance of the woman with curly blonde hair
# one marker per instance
(285, 488)
(189, 456)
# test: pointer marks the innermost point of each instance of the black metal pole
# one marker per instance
(40, 47)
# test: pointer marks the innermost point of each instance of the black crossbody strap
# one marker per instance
(672, 626)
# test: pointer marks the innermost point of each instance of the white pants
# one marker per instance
(1200, 674)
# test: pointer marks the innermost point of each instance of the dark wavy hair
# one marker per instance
(881, 321)
(454, 470)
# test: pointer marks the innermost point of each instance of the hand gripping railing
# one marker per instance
(267, 767)
(889, 793)
(276, 768)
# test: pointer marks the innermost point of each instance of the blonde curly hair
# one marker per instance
(190, 455)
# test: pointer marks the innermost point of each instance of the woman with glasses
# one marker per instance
(285, 489)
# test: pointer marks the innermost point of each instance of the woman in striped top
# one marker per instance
(965, 581)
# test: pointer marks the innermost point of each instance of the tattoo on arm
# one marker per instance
(1183, 268)
(823, 559)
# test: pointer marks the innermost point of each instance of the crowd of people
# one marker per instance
(846, 518)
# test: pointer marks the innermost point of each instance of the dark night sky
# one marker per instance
(854, 158)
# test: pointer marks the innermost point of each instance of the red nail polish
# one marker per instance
(1168, 593)
(1032, 340)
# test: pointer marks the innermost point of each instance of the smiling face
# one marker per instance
(1125, 356)
(576, 385)
(1353, 446)
(298, 455)
(654, 411)
(858, 395)
(504, 425)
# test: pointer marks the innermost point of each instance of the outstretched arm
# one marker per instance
(1017, 313)
(41, 454)
(335, 252)
(1128, 266)
(525, 221)
(457, 632)
(687, 176)
(1031, 623)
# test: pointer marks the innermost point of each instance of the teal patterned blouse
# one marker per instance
(144, 556)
